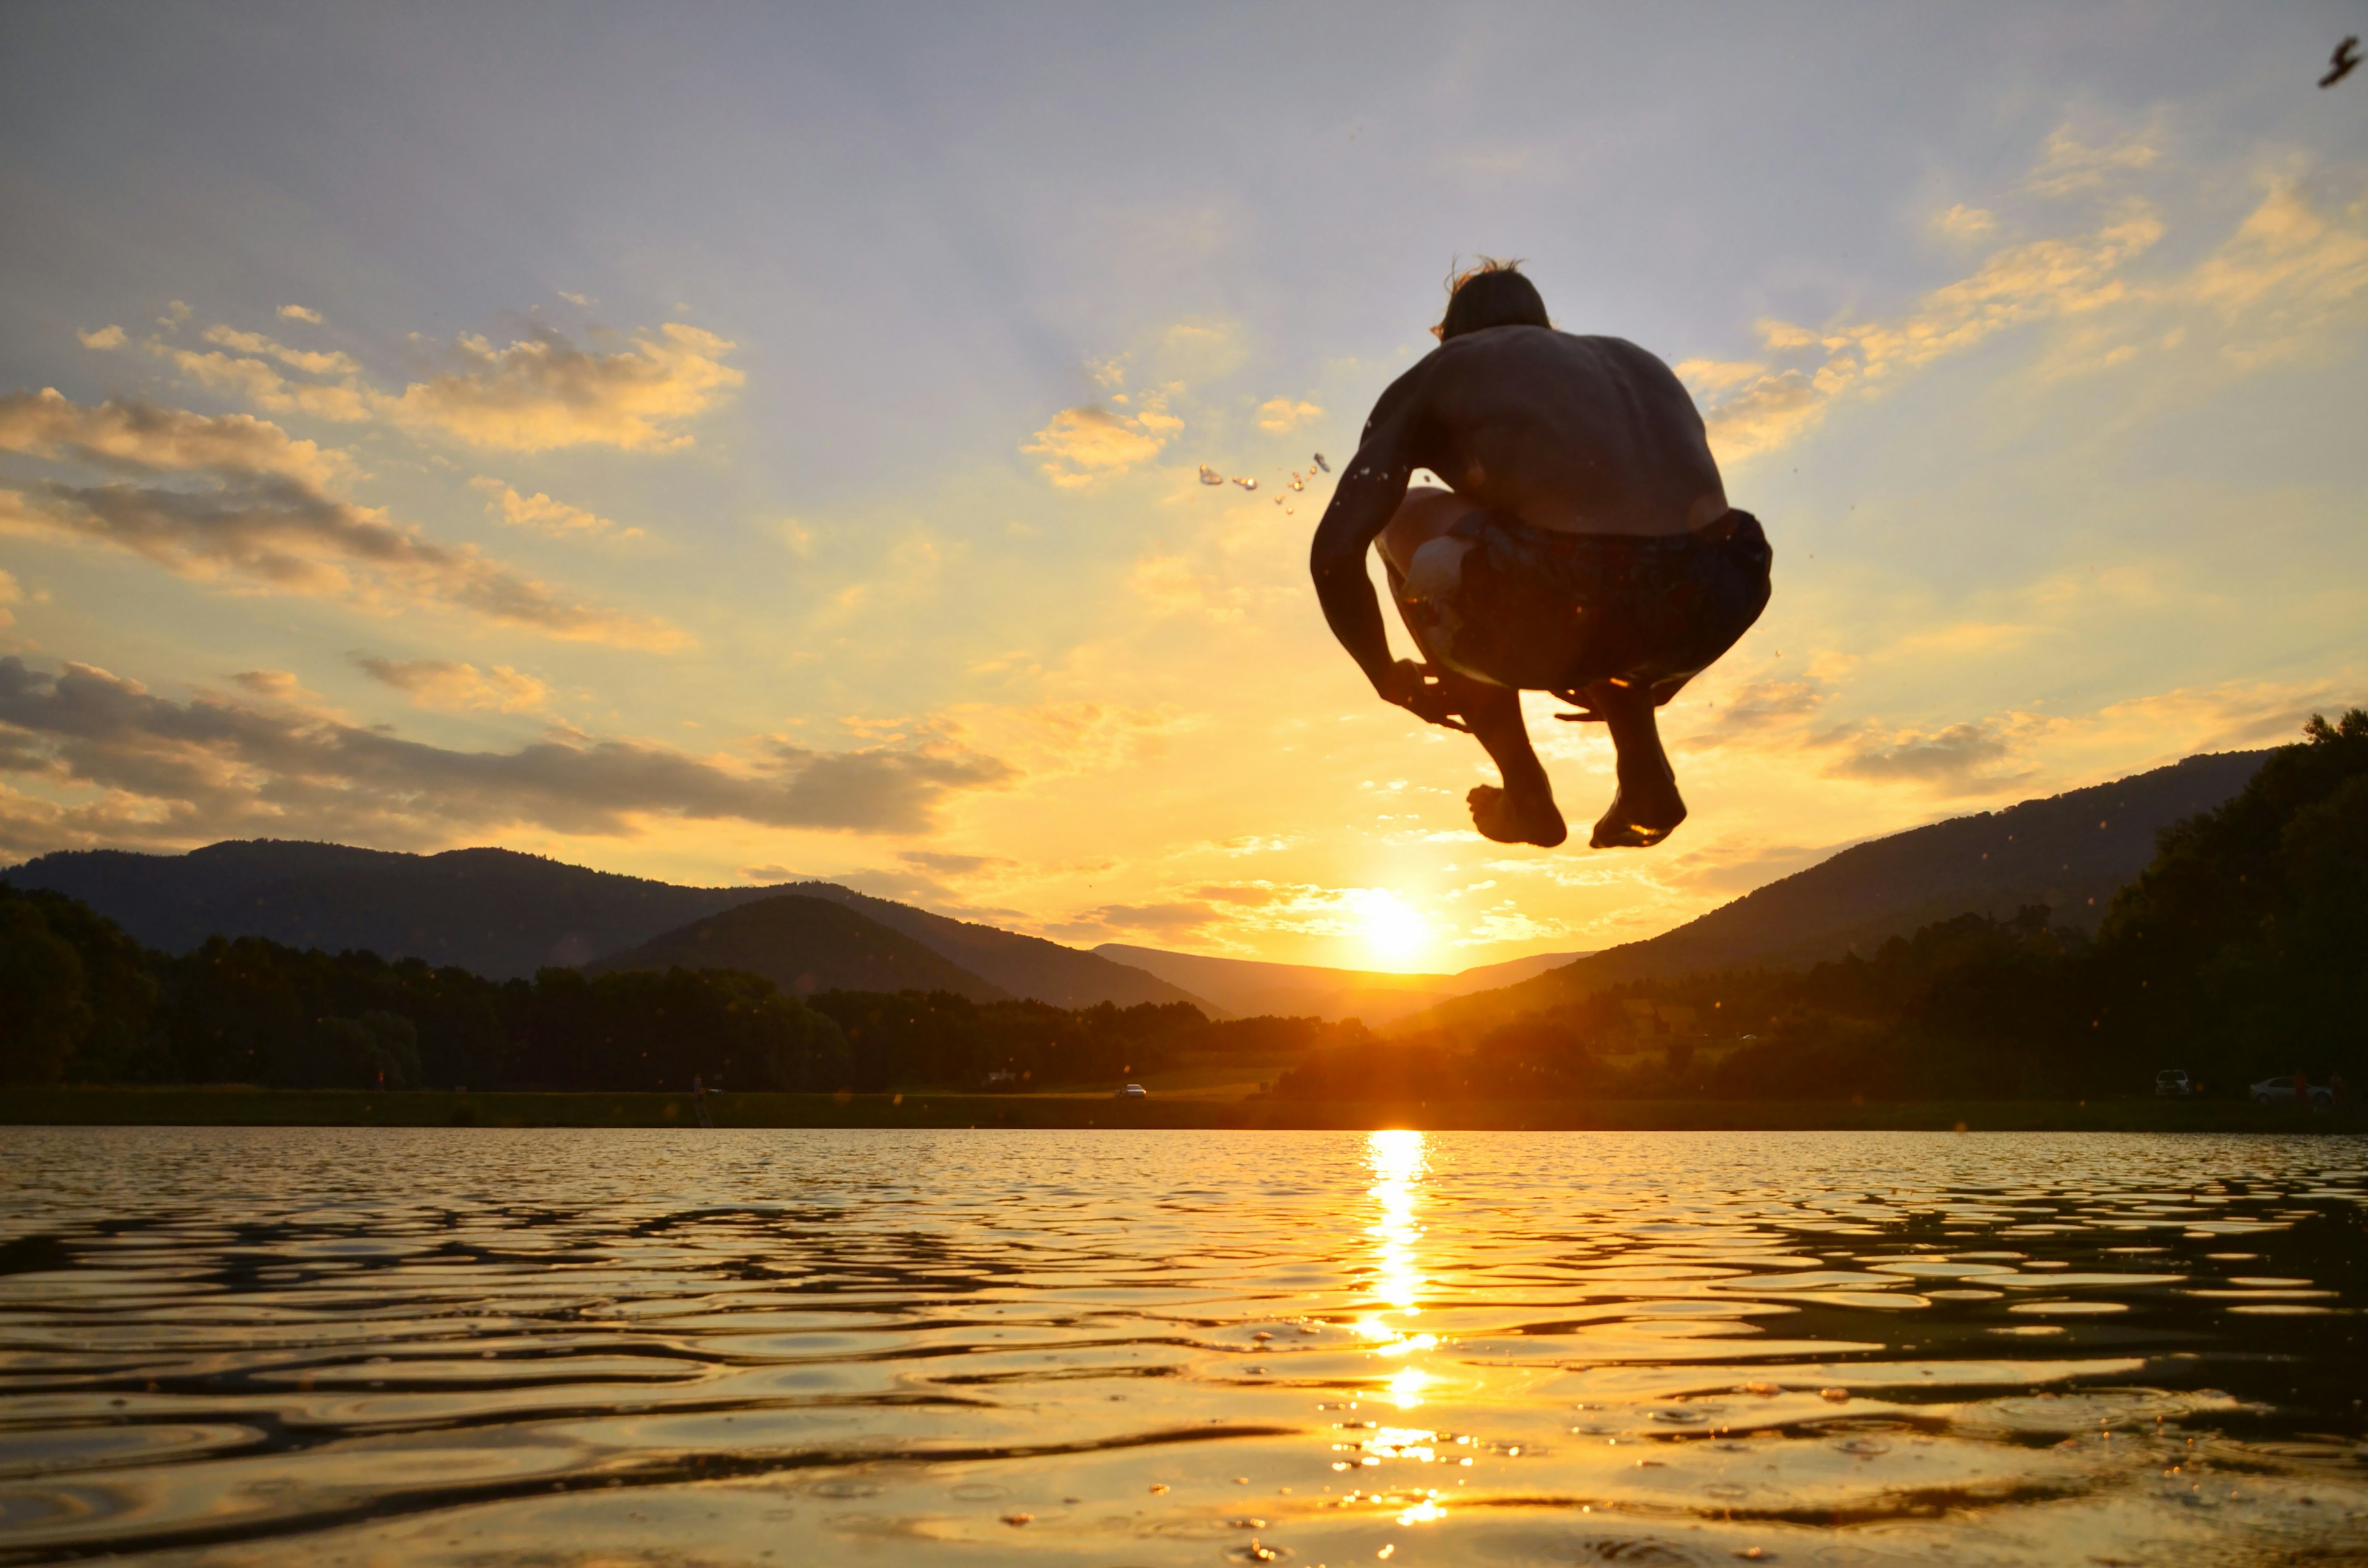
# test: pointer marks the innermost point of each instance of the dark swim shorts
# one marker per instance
(1546, 610)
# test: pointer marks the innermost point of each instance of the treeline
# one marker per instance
(80, 1002)
(2240, 953)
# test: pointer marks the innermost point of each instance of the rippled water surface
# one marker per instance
(472, 1347)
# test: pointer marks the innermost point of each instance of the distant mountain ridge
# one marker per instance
(1250, 986)
(2071, 852)
(804, 945)
(504, 914)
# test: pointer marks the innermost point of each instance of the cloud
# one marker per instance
(214, 767)
(265, 387)
(2070, 168)
(1090, 442)
(280, 686)
(1170, 586)
(1282, 416)
(1764, 703)
(542, 392)
(304, 360)
(10, 594)
(299, 312)
(1709, 377)
(542, 514)
(1964, 223)
(1729, 870)
(104, 338)
(1168, 920)
(581, 301)
(2035, 281)
(2286, 276)
(2278, 288)
(951, 865)
(441, 683)
(1958, 759)
(266, 519)
(141, 436)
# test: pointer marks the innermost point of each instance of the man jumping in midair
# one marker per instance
(1585, 549)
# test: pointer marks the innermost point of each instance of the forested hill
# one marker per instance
(2070, 852)
(501, 914)
(1025, 966)
(803, 945)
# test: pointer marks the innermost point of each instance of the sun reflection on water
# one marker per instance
(1397, 1159)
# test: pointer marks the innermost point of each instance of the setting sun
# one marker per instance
(1390, 931)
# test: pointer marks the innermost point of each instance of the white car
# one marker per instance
(1131, 1092)
(2280, 1091)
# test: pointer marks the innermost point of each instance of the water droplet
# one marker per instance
(1322, 464)
(1245, 484)
(1211, 476)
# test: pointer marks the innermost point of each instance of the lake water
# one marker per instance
(1137, 1347)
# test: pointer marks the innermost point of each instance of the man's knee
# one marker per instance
(1423, 515)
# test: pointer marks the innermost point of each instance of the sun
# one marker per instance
(1393, 932)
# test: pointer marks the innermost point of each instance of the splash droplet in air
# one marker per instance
(1322, 464)
(1211, 476)
(1245, 484)
(1297, 483)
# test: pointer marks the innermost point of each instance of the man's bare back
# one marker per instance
(1557, 448)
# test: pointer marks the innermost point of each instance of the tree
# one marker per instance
(44, 1006)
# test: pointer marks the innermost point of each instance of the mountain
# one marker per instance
(1025, 966)
(1249, 987)
(804, 945)
(504, 914)
(2071, 852)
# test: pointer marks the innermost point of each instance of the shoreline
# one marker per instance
(249, 1106)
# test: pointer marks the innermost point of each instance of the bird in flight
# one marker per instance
(2346, 56)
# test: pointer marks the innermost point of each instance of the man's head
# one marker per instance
(1491, 294)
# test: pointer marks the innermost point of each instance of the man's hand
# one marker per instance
(1414, 687)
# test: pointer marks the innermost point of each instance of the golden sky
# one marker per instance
(759, 448)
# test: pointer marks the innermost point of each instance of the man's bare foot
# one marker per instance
(1639, 818)
(1510, 819)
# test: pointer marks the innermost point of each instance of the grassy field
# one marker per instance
(243, 1107)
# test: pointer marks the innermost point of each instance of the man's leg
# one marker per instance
(1523, 811)
(1647, 809)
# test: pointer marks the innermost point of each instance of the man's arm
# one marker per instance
(1370, 490)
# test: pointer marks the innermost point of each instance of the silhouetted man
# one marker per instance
(1585, 549)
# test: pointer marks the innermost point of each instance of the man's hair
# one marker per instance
(1493, 293)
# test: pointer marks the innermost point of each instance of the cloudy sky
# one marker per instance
(719, 443)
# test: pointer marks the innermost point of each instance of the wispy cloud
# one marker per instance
(541, 514)
(140, 435)
(449, 684)
(2070, 167)
(1091, 441)
(2035, 281)
(184, 771)
(2277, 287)
(542, 392)
(307, 360)
(1282, 414)
(299, 312)
(264, 518)
(1957, 759)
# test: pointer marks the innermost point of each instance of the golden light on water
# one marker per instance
(1397, 1159)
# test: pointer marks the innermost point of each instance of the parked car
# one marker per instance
(2172, 1084)
(1131, 1092)
(2280, 1091)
